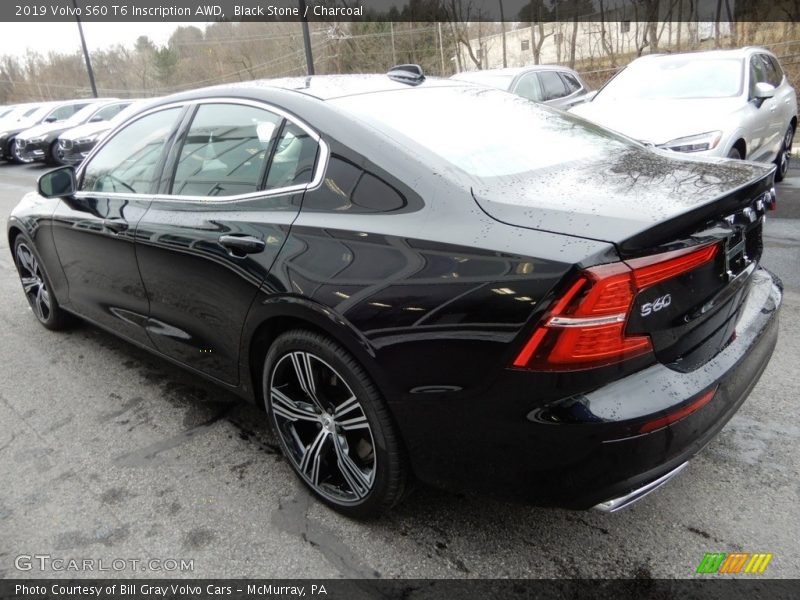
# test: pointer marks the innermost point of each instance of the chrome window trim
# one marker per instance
(323, 156)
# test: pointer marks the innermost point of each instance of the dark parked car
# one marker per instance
(50, 112)
(553, 85)
(567, 322)
(75, 144)
(41, 142)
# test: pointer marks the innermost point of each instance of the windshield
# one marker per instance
(500, 81)
(82, 115)
(482, 131)
(133, 108)
(677, 77)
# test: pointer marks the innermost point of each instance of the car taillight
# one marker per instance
(586, 326)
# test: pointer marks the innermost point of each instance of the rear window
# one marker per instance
(484, 132)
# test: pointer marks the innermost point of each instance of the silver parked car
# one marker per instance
(728, 103)
(557, 86)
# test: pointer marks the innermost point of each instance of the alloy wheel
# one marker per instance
(323, 427)
(16, 152)
(33, 282)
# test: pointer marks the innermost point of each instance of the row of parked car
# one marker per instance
(59, 133)
(732, 103)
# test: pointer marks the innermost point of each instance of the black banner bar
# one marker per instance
(407, 589)
(400, 10)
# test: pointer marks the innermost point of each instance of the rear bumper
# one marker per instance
(600, 453)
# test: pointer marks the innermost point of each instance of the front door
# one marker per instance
(208, 241)
(94, 231)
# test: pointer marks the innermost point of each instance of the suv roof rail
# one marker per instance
(410, 74)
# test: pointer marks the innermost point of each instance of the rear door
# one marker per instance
(207, 242)
(94, 231)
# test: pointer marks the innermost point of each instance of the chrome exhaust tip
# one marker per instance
(615, 504)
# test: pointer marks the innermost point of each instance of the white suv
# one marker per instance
(729, 103)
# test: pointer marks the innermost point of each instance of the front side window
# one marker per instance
(226, 150)
(758, 74)
(128, 162)
(778, 70)
(773, 76)
(552, 85)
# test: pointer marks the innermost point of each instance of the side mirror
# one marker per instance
(51, 119)
(590, 96)
(96, 119)
(57, 183)
(764, 90)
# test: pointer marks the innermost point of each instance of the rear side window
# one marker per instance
(128, 162)
(293, 162)
(530, 88)
(572, 84)
(226, 150)
(552, 85)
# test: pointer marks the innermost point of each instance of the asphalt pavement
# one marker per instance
(107, 452)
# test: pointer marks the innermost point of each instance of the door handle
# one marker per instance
(115, 225)
(242, 244)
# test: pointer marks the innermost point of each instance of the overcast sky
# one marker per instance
(63, 37)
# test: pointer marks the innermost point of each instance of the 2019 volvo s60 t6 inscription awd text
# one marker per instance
(421, 277)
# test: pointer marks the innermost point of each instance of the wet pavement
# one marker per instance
(107, 452)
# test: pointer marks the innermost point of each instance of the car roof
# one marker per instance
(734, 53)
(322, 87)
(515, 70)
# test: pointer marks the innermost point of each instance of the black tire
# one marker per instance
(374, 442)
(54, 317)
(51, 156)
(735, 153)
(784, 155)
(8, 151)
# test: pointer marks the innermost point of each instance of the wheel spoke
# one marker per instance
(29, 283)
(358, 482)
(289, 409)
(359, 422)
(305, 376)
(312, 457)
(25, 260)
(345, 407)
(40, 306)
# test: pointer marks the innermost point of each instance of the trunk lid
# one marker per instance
(637, 199)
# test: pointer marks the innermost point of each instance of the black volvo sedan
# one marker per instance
(423, 279)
